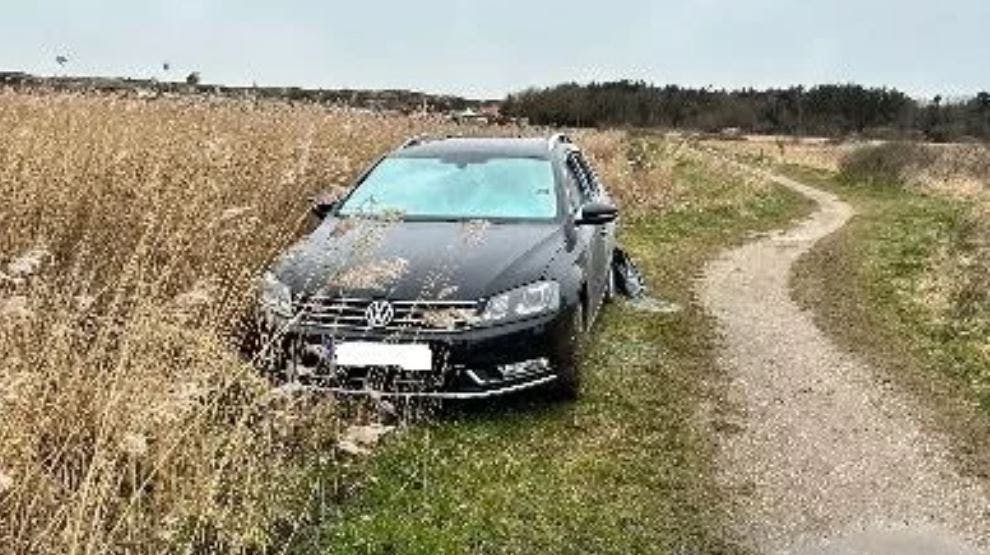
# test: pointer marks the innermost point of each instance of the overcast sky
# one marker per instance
(486, 49)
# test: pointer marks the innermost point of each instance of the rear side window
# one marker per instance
(581, 189)
(591, 177)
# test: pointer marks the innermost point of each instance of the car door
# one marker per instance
(593, 236)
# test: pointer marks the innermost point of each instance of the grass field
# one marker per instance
(130, 241)
(914, 264)
(905, 285)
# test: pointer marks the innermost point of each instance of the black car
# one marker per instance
(453, 268)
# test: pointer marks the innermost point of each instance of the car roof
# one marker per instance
(496, 147)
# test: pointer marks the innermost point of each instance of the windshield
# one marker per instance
(439, 188)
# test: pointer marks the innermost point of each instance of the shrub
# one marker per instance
(886, 164)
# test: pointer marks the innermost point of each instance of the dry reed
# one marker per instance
(131, 234)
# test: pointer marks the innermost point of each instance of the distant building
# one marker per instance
(469, 115)
(731, 133)
(488, 113)
(491, 109)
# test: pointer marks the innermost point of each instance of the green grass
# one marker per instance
(869, 287)
(627, 469)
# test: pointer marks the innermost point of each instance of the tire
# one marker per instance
(567, 387)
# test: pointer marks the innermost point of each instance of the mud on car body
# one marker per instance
(452, 268)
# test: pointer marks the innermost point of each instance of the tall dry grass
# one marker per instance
(649, 173)
(812, 153)
(962, 171)
(131, 234)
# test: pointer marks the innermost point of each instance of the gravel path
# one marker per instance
(826, 460)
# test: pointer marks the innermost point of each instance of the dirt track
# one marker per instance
(827, 460)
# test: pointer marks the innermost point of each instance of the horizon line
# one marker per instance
(438, 94)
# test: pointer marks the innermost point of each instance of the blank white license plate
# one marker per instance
(411, 356)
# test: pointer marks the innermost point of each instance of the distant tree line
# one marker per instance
(825, 110)
(398, 100)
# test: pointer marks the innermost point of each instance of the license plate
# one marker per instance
(408, 356)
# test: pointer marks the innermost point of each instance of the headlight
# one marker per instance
(275, 295)
(538, 298)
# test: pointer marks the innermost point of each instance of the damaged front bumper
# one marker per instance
(484, 388)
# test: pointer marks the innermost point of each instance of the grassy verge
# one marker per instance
(877, 288)
(628, 469)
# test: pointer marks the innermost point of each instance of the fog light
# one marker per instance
(524, 368)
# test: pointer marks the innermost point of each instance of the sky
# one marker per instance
(488, 49)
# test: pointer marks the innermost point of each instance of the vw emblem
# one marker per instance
(379, 314)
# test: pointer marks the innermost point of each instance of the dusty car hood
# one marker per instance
(418, 260)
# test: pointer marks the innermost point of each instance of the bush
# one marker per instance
(884, 164)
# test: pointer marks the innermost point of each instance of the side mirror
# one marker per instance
(322, 206)
(597, 213)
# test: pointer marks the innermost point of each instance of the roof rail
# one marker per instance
(556, 138)
(413, 141)
(426, 138)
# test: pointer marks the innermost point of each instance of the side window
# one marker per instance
(590, 177)
(581, 182)
(573, 187)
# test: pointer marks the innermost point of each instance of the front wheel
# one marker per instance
(568, 358)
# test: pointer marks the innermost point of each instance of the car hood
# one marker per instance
(418, 260)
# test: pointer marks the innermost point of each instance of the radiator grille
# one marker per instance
(426, 316)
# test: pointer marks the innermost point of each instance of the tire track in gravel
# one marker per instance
(826, 460)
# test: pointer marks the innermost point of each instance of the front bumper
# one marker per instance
(471, 364)
(507, 389)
